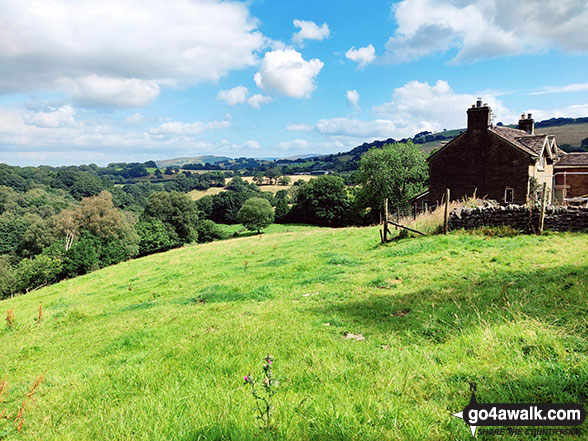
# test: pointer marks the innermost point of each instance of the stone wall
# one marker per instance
(521, 217)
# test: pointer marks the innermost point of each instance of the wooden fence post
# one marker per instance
(385, 220)
(446, 217)
(543, 203)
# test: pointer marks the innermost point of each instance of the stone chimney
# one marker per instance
(479, 116)
(527, 124)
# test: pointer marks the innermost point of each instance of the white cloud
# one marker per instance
(51, 118)
(419, 106)
(234, 96)
(573, 111)
(355, 128)
(135, 118)
(181, 128)
(286, 72)
(309, 30)
(294, 144)
(299, 127)
(353, 99)
(257, 100)
(581, 87)
(91, 50)
(362, 56)
(251, 144)
(96, 91)
(481, 29)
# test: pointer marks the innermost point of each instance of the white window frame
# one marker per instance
(512, 195)
(541, 162)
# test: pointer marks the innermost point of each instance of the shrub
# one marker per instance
(153, 237)
(209, 231)
(36, 272)
(255, 214)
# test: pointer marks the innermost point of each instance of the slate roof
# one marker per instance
(573, 160)
(531, 144)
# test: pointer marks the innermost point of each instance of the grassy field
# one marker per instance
(197, 194)
(156, 348)
(571, 134)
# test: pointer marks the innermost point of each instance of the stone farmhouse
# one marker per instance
(503, 164)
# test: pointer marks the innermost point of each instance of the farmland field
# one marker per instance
(156, 348)
(197, 194)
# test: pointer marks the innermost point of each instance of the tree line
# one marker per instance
(61, 223)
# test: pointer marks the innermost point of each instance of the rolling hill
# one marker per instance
(370, 342)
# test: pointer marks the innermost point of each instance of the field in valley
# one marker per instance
(197, 194)
(156, 348)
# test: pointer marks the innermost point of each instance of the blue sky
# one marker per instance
(131, 80)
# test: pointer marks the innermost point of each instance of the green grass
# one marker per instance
(156, 348)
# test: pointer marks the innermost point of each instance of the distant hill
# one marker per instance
(211, 159)
(571, 135)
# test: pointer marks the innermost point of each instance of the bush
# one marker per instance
(153, 237)
(209, 231)
(255, 214)
(36, 272)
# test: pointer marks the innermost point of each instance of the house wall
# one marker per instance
(576, 185)
(479, 161)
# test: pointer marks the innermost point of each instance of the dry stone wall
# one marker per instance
(521, 217)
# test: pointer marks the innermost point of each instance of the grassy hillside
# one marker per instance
(156, 348)
(571, 134)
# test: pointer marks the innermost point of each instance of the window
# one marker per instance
(541, 163)
(508, 195)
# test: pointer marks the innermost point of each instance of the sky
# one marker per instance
(86, 81)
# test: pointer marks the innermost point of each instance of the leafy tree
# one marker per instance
(158, 173)
(258, 177)
(284, 180)
(395, 171)
(86, 185)
(83, 256)
(273, 174)
(177, 211)
(322, 201)
(205, 205)
(282, 210)
(8, 277)
(209, 231)
(153, 237)
(256, 214)
(299, 182)
(281, 194)
(99, 216)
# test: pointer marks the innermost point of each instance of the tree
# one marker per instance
(396, 172)
(282, 210)
(153, 237)
(258, 177)
(284, 180)
(322, 201)
(177, 211)
(255, 214)
(273, 174)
